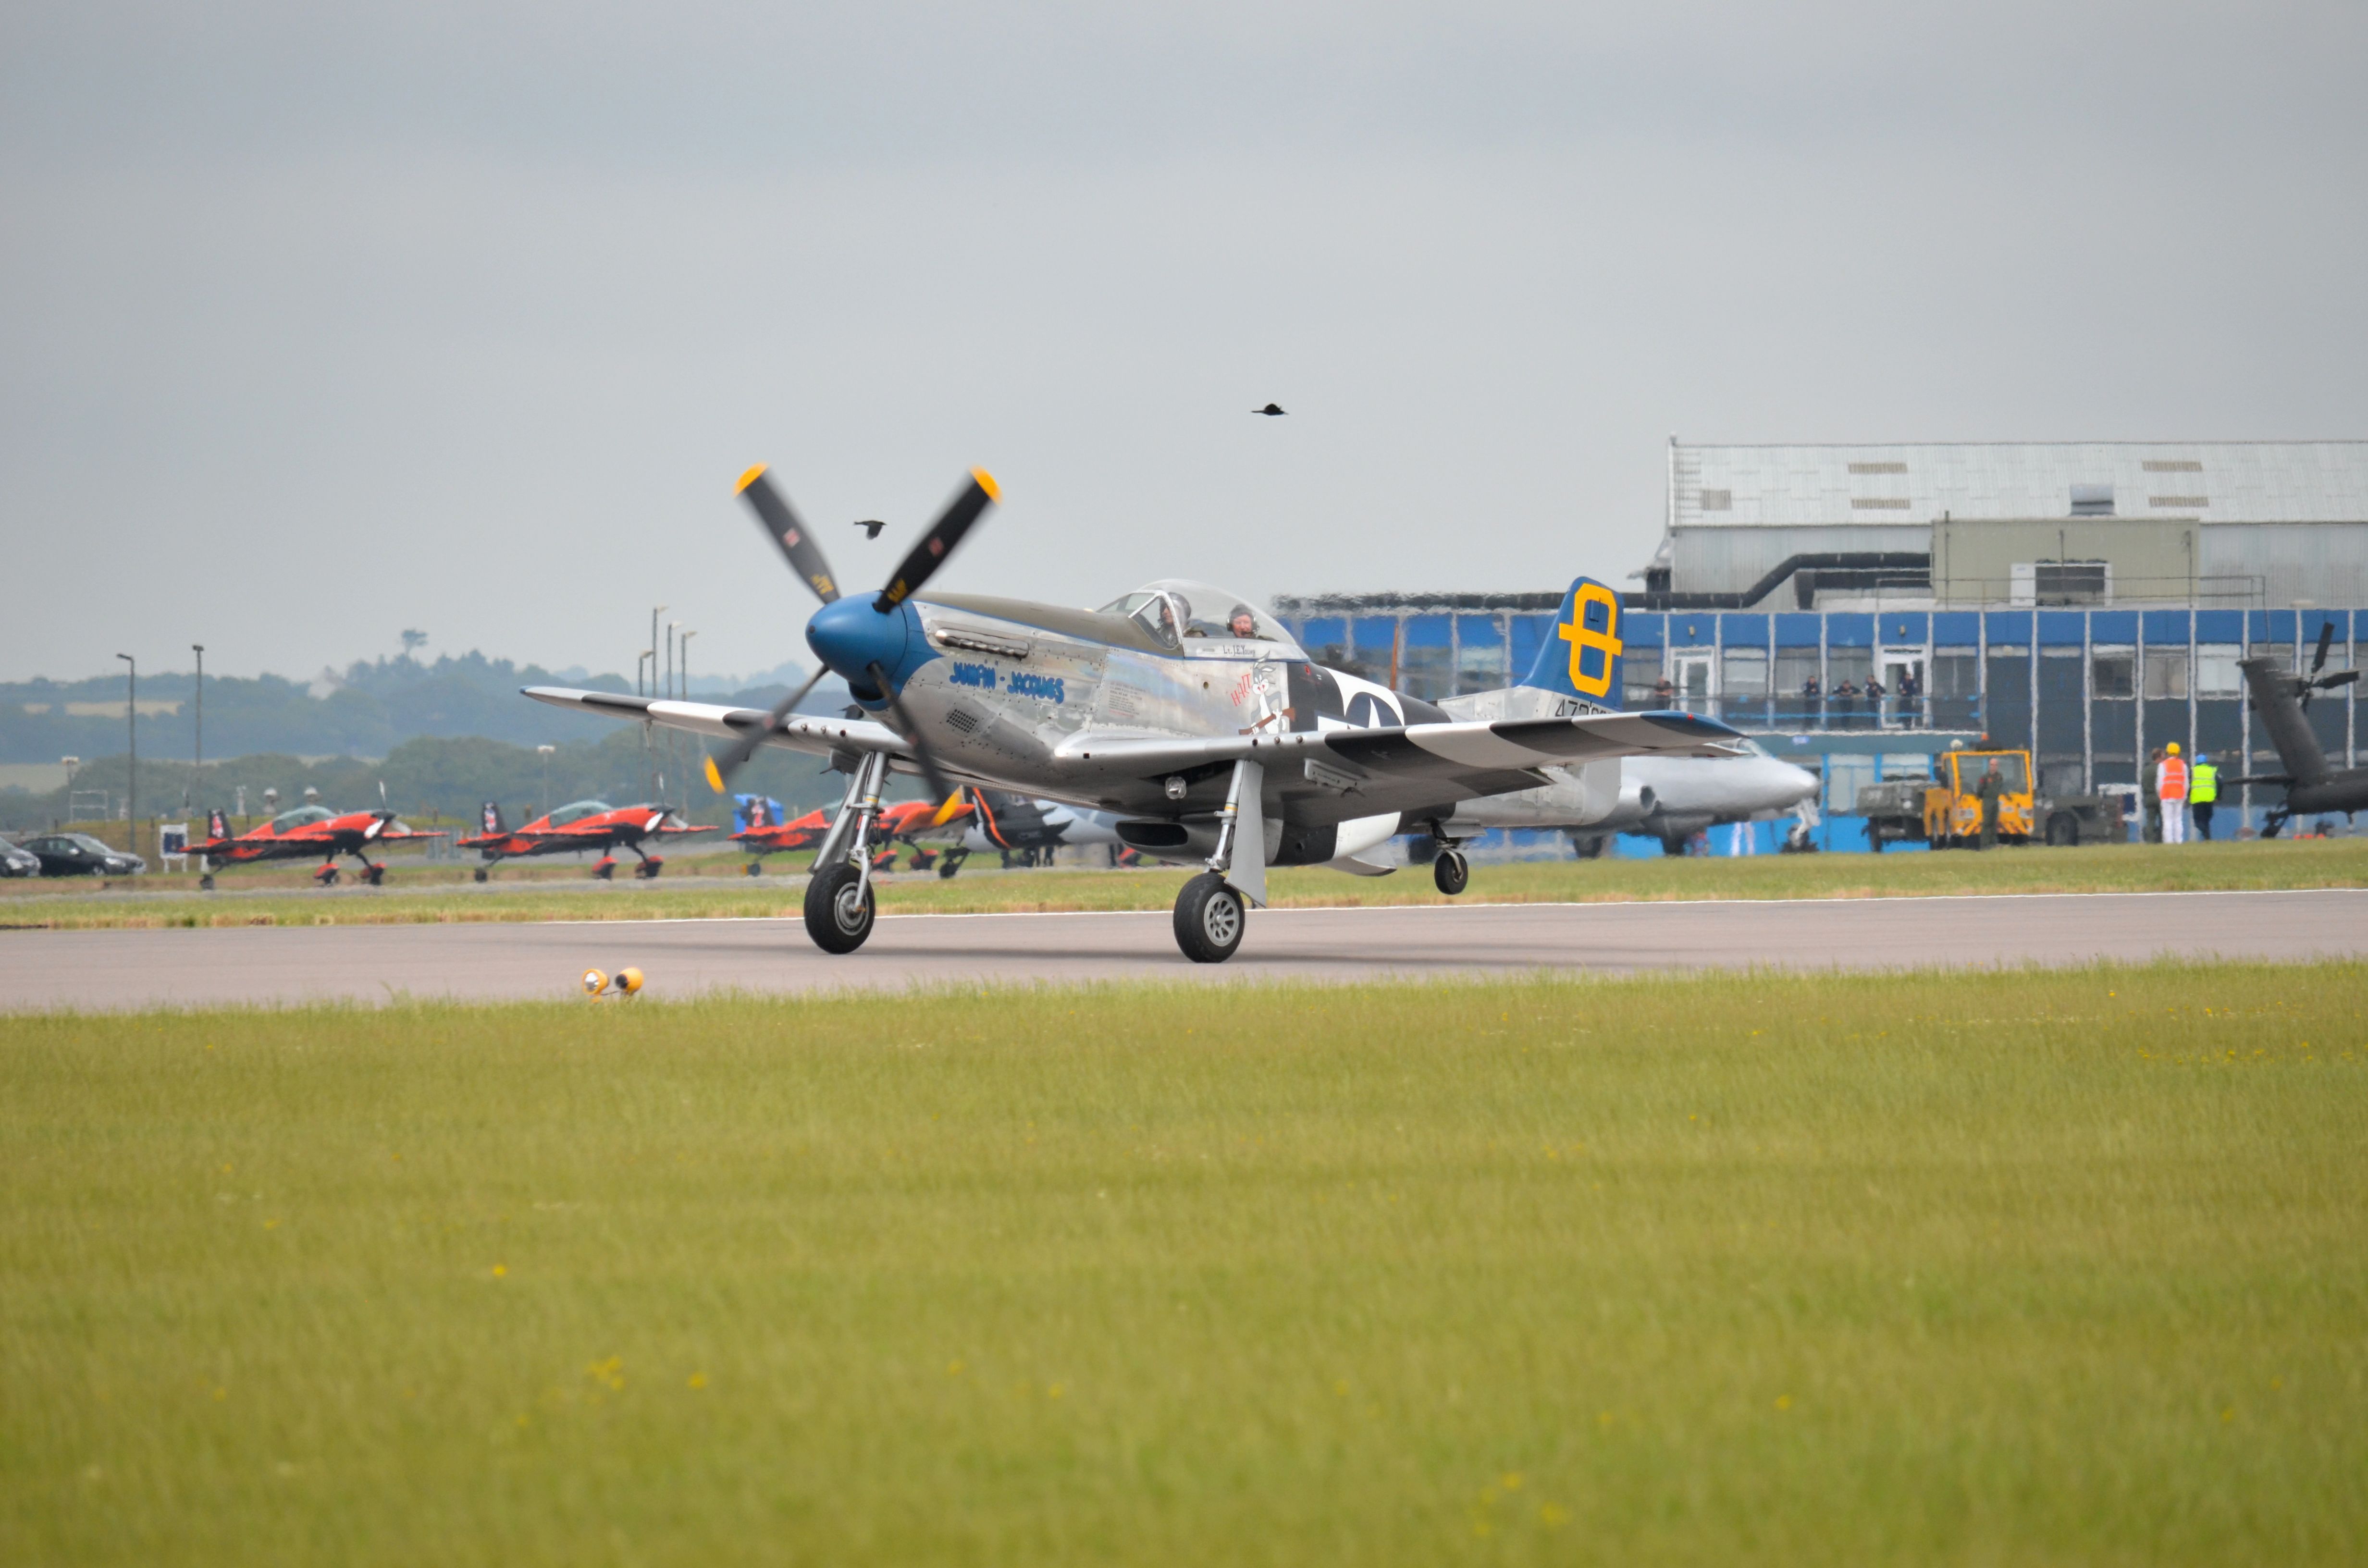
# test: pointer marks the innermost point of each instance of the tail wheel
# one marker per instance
(1452, 872)
(1210, 919)
(840, 909)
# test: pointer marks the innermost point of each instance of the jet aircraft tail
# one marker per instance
(1582, 658)
(489, 818)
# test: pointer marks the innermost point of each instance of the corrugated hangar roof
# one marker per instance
(2220, 482)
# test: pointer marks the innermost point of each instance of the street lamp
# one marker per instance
(70, 763)
(200, 767)
(132, 729)
(546, 751)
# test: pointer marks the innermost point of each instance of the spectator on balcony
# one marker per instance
(1846, 703)
(1665, 695)
(1911, 703)
(1874, 699)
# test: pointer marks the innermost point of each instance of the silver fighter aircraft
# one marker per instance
(1188, 713)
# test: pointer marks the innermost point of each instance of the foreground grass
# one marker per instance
(2029, 1268)
(2314, 863)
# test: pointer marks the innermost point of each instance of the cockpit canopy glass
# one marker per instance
(1176, 608)
(577, 811)
(303, 816)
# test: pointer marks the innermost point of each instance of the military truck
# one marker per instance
(1945, 810)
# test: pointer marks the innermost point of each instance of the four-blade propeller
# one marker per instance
(797, 545)
(2316, 682)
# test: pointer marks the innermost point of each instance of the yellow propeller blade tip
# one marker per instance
(714, 778)
(986, 483)
(749, 479)
(946, 812)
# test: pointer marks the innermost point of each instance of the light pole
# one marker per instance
(131, 730)
(200, 767)
(685, 663)
(70, 763)
(546, 751)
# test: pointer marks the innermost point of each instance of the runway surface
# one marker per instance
(110, 969)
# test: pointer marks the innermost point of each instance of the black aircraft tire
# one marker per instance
(840, 909)
(947, 867)
(207, 883)
(1451, 872)
(756, 868)
(1210, 919)
(481, 873)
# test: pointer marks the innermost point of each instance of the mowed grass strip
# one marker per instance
(2252, 865)
(2028, 1266)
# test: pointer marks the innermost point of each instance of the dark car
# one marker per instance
(16, 862)
(80, 855)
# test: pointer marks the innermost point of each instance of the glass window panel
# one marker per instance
(1745, 673)
(1795, 668)
(2216, 669)
(2166, 672)
(1426, 671)
(1956, 672)
(2112, 672)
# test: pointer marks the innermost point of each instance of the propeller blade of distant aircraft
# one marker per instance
(921, 562)
(945, 814)
(938, 785)
(721, 767)
(2326, 636)
(797, 546)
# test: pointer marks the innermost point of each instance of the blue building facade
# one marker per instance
(2091, 691)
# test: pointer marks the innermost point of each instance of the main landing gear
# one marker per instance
(1451, 872)
(951, 861)
(840, 908)
(371, 872)
(1212, 912)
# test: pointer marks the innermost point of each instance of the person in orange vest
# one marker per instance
(2170, 783)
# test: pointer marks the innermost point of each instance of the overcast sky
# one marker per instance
(314, 326)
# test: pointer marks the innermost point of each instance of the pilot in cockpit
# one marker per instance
(1242, 623)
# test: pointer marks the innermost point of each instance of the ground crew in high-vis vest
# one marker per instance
(2202, 789)
(2170, 783)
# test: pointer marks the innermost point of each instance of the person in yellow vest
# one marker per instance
(2170, 783)
(2202, 789)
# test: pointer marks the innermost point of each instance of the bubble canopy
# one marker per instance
(1174, 607)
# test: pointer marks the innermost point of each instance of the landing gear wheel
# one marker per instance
(756, 868)
(207, 881)
(374, 875)
(1208, 919)
(1452, 872)
(604, 870)
(840, 909)
(649, 869)
(948, 867)
(326, 876)
(480, 873)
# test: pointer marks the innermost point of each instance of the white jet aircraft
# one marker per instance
(1190, 716)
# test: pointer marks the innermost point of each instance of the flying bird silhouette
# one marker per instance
(1271, 409)
(871, 526)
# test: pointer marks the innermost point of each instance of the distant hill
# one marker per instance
(366, 710)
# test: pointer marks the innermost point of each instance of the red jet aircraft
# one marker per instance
(581, 824)
(302, 833)
(763, 838)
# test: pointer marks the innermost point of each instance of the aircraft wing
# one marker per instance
(1470, 752)
(801, 732)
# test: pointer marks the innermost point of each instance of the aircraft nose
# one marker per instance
(849, 636)
(1800, 780)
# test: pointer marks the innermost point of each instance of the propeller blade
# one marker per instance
(938, 785)
(945, 814)
(923, 559)
(2326, 636)
(781, 525)
(720, 769)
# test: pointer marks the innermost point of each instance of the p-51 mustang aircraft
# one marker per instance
(581, 824)
(305, 831)
(1190, 716)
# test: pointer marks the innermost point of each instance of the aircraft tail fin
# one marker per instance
(217, 823)
(1582, 657)
(490, 818)
(2277, 697)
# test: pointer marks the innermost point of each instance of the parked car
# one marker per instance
(16, 862)
(80, 855)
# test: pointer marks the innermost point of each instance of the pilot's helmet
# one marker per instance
(1241, 612)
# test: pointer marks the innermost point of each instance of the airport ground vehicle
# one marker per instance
(1945, 811)
(80, 855)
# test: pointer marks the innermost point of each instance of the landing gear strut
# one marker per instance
(840, 908)
(1213, 911)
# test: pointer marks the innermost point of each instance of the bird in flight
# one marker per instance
(871, 526)
(1271, 409)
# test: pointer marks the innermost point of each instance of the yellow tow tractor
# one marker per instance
(1946, 812)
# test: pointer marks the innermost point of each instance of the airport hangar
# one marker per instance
(2092, 597)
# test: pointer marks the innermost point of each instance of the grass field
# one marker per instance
(1969, 1267)
(560, 894)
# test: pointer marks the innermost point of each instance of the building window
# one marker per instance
(1795, 668)
(2216, 674)
(2112, 672)
(1744, 671)
(2166, 672)
(2092, 500)
(1956, 672)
